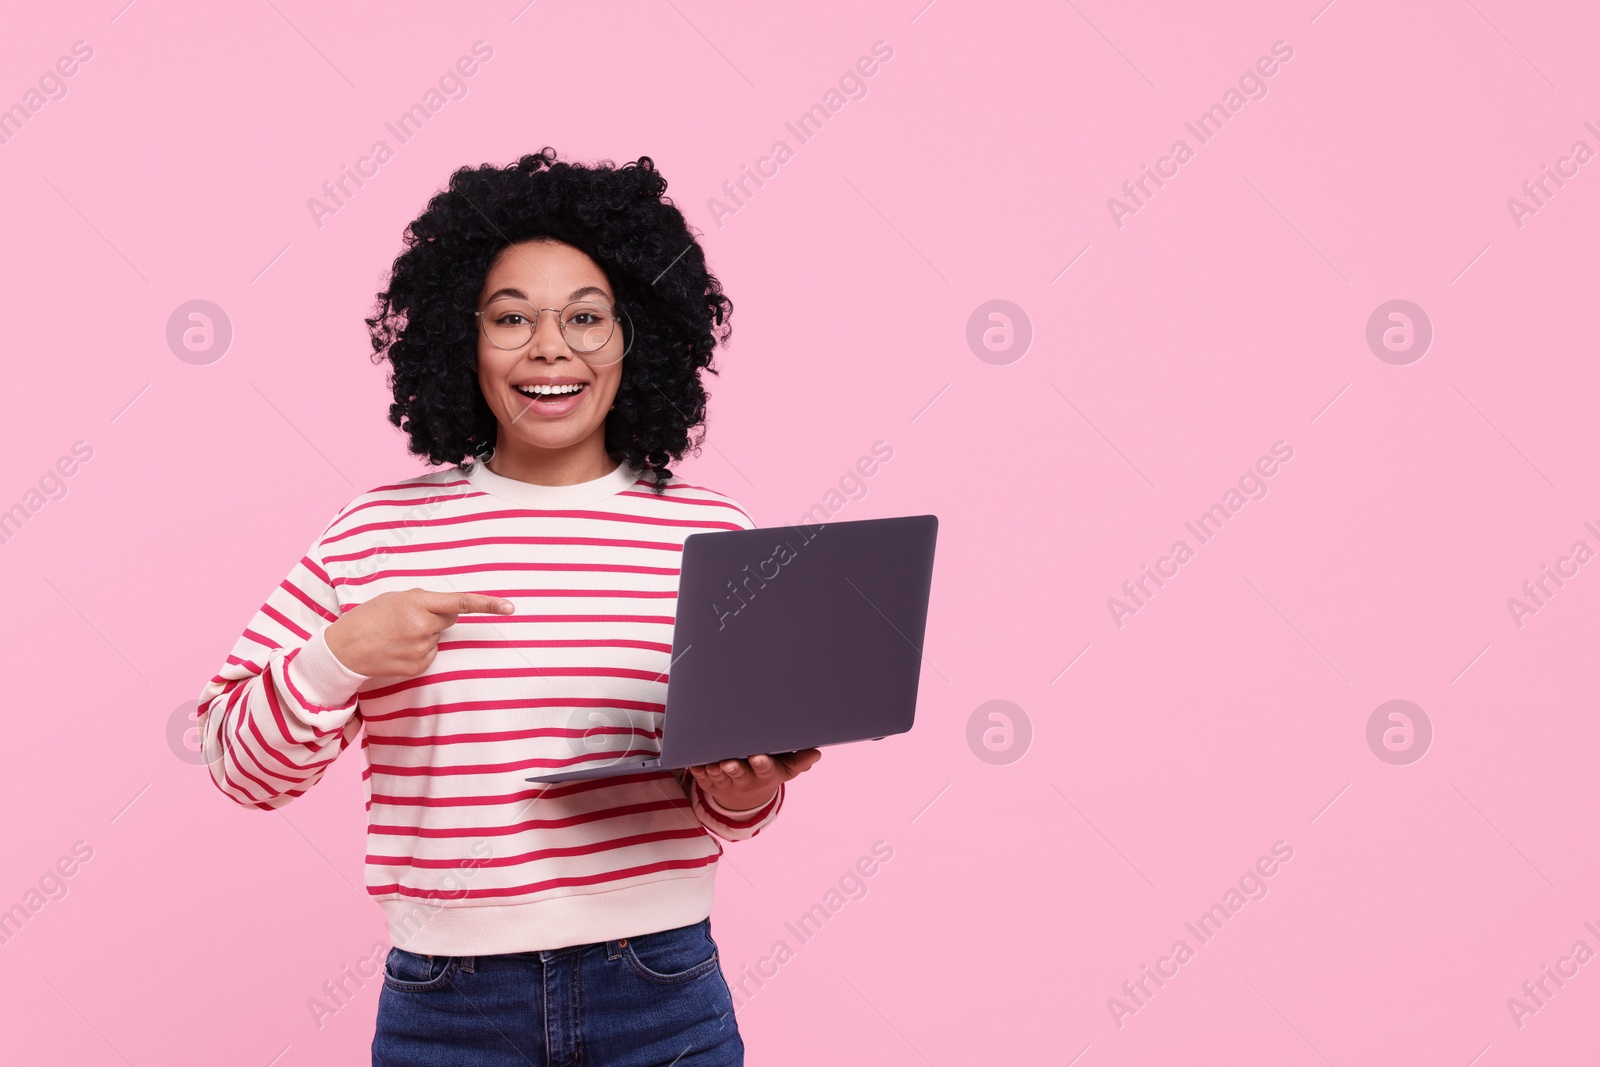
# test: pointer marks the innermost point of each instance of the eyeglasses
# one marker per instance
(586, 325)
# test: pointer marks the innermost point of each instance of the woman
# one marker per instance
(545, 327)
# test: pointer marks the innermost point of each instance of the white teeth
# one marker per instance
(546, 390)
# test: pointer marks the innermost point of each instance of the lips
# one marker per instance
(551, 396)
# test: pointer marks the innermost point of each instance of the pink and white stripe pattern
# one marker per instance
(466, 857)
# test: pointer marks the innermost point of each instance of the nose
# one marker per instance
(547, 341)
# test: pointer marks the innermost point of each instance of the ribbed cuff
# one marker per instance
(732, 813)
(320, 678)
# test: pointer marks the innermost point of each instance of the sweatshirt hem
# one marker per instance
(417, 925)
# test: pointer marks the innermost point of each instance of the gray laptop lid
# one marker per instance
(792, 637)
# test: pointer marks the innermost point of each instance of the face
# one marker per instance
(548, 274)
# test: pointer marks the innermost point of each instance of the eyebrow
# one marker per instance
(576, 294)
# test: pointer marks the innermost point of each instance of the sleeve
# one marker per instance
(282, 707)
(726, 824)
(743, 519)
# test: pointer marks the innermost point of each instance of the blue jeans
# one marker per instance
(645, 1001)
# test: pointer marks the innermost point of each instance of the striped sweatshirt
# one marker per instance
(464, 856)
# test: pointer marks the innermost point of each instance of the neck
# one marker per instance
(581, 462)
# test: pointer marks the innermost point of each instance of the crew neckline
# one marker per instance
(532, 494)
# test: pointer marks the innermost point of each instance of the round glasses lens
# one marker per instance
(587, 325)
(508, 323)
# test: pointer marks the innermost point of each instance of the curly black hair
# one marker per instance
(675, 313)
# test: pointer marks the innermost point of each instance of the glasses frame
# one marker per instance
(617, 313)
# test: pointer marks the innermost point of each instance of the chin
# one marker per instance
(550, 442)
(555, 438)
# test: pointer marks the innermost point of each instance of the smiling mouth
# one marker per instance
(550, 392)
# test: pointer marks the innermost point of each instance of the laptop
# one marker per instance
(787, 638)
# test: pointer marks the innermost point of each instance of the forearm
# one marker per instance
(274, 718)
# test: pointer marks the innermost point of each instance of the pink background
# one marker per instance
(1229, 312)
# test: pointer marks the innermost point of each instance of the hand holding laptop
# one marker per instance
(741, 785)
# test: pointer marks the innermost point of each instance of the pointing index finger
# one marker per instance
(467, 603)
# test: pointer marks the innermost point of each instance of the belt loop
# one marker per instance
(467, 962)
(614, 949)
